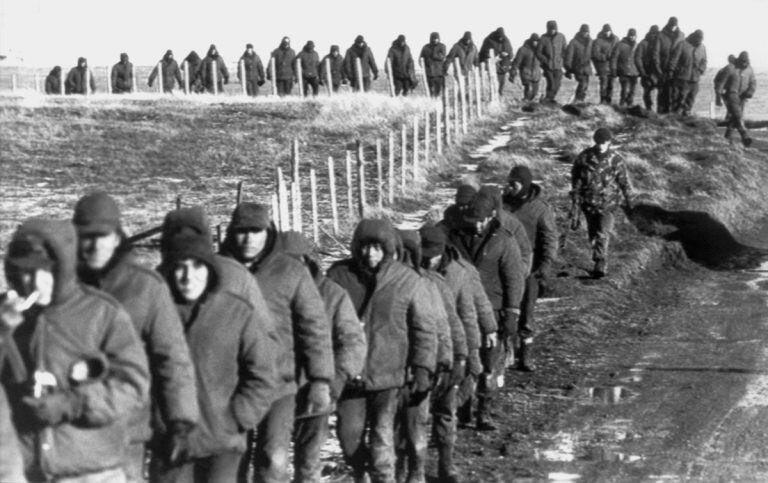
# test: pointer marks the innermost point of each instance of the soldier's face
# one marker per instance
(27, 282)
(190, 278)
(481, 225)
(603, 147)
(250, 243)
(372, 254)
(434, 262)
(514, 187)
(96, 250)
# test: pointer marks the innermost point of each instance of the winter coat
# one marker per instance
(75, 83)
(399, 326)
(578, 55)
(436, 302)
(499, 46)
(81, 323)
(460, 283)
(517, 231)
(434, 59)
(644, 57)
(193, 65)
(122, 77)
(208, 64)
(459, 343)
(284, 67)
(337, 69)
(739, 82)
(602, 48)
(401, 60)
(551, 51)
(623, 59)
(598, 179)
(11, 462)
(145, 296)
(234, 366)
(53, 81)
(298, 311)
(310, 63)
(497, 258)
(366, 60)
(172, 74)
(254, 69)
(662, 49)
(527, 64)
(688, 61)
(467, 55)
(538, 219)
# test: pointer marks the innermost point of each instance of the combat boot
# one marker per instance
(524, 363)
(446, 472)
(600, 269)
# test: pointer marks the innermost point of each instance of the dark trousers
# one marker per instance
(649, 85)
(251, 87)
(582, 85)
(222, 467)
(685, 96)
(502, 80)
(284, 87)
(628, 85)
(606, 88)
(273, 440)
(665, 96)
(527, 307)
(366, 84)
(309, 437)
(436, 85)
(530, 90)
(599, 230)
(313, 83)
(375, 410)
(411, 436)
(735, 118)
(553, 78)
(402, 85)
(444, 405)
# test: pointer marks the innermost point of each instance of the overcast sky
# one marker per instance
(46, 32)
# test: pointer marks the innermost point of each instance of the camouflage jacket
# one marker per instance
(598, 180)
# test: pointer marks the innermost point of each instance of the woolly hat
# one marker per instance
(374, 231)
(248, 46)
(467, 36)
(359, 39)
(411, 247)
(434, 36)
(29, 253)
(250, 216)
(631, 33)
(743, 58)
(584, 28)
(602, 135)
(464, 194)
(551, 25)
(522, 175)
(401, 38)
(534, 37)
(654, 29)
(672, 22)
(433, 241)
(96, 214)
(606, 28)
(481, 207)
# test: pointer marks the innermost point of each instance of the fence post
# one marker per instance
(361, 179)
(471, 93)
(160, 88)
(491, 75)
(456, 109)
(215, 78)
(61, 82)
(391, 171)
(300, 78)
(390, 78)
(87, 80)
(439, 127)
(424, 76)
(296, 187)
(712, 109)
(282, 194)
(109, 80)
(403, 156)
(415, 148)
(332, 186)
(379, 176)
(186, 77)
(243, 77)
(313, 191)
(134, 85)
(350, 193)
(478, 92)
(462, 95)
(273, 75)
(276, 211)
(328, 76)
(427, 141)
(447, 109)
(359, 71)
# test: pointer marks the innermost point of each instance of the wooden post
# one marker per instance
(403, 156)
(390, 77)
(359, 71)
(712, 110)
(282, 195)
(296, 187)
(456, 109)
(109, 80)
(361, 202)
(13, 82)
(87, 80)
(134, 84)
(276, 211)
(243, 77)
(313, 191)
(447, 110)
(423, 76)
(329, 77)
(273, 75)
(492, 75)
(61, 82)
(439, 129)
(215, 78)
(478, 92)
(350, 193)
(391, 171)
(462, 95)
(37, 82)
(332, 186)
(471, 97)
(415, 149)
(379, 176)
(186, 77)
(300, 78)
(239, 195)
(427, 138)
(160, 77)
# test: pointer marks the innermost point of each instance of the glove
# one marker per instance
(568, 74)
(318, 397)
(490, 340)
(178, 443)
(459, 370)
(511, 316)
(421, 381)
(337, 386)
(58, 407)
(260, 82)
(149, 84)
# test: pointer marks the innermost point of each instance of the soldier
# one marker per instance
(644, 64)
(401, 62)
(76, 368)
(527, 64)
(171, 73)
(122, 76)
(737, 87)
(464, 50)
(105, 262)
(577, 58)
(251, 67)
(53, 81)
(483, 242)
(400, 329)
(687, 65)
(210, 64)
(666, 42)
(599, 176)
(720, 77)
(349, 348)
(310, 67)
(195, 81)
(285, 71)
(360, 50)
(76, 79)
(550, 52)
(234, 362)
(433, 54)
(522, 199)
(623, 66)
(336, 62)
(601, 57)
(502, 49)
(303, 328)
(513, 226)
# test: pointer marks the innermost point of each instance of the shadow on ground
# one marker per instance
(704, 239)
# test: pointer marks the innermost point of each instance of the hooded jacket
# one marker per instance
(527, 63)
(467, 54)
(122, 76)
(367, 62)
(598, 179)
(551, 51)
(666, 42)
(689, 59)
(284, 68)
(434, 59)
(538, 220)
(337, 69)
(145, 296)
(401, 60)
(53, 81)
(75, 83)
(211, 62)
(80, 324)
(578, 55)
(309, 60)
(623, 59)
(171, 73)
(193, 61)
(739, 82)
(254, 69)
(512, 226)
(602, 48)
(644, 55)
(399, 328)
(234, 363)
(500, 44)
